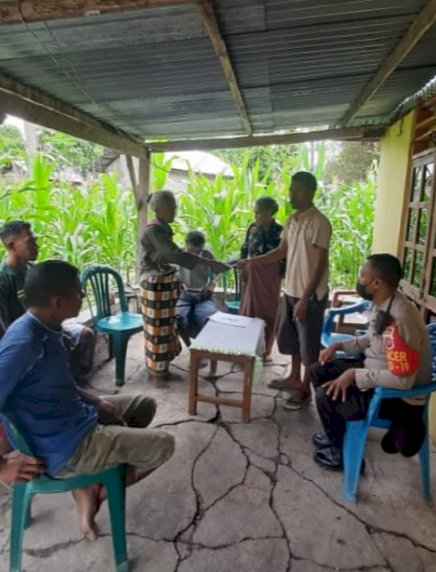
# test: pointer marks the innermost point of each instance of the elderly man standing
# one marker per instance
(305, 245)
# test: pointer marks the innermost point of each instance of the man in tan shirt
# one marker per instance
(395, 354)
(305, 243)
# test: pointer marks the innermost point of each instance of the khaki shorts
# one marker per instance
(300, 337)
(111, 445)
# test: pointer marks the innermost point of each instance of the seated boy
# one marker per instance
(194, 306)
(68, 429)
(22, 251)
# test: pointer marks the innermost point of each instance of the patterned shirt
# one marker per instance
(259, 240)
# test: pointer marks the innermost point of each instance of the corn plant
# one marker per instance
(97, 221)
(351, 212)
(222, 208)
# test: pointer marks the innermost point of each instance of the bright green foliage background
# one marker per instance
(96, 221)
(223, 209)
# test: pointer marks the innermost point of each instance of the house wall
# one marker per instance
(394, 155)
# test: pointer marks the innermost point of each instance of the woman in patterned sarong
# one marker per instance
(261, 284)
(160, 288)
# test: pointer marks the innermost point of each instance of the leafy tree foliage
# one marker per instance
(68, 151)
(270, 159)
(354, 162)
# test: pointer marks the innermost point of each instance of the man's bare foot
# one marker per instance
(88, 501)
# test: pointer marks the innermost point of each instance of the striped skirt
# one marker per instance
(159, 296)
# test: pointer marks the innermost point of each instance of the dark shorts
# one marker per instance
(300, 337)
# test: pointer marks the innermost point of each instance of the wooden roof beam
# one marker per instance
(345, 134)
(14, 12)
(32, 105)
(210, 22)
(423, 21)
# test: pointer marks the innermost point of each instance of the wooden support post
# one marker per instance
(210, 23)
(141, 190)
(37, 107)
(370, 133)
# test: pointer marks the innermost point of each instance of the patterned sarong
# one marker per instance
(159, 296)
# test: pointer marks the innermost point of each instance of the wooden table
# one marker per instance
(231, 343)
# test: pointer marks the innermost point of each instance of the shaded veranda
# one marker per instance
(243, 497)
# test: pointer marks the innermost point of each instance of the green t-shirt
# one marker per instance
(12, 301)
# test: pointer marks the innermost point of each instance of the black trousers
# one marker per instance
(335, 414)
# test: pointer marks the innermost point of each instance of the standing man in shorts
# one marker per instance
(305, 245)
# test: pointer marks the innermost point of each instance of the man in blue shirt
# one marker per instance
(70, 430)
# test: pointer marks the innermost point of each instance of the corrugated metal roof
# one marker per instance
(154, 73)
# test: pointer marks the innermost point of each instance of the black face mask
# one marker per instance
(361, 290)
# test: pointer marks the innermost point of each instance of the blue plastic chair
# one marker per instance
(328, 335)
(22, 493)
(357, 431)
(119, 326)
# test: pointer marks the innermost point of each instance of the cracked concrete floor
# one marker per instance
(241, 498)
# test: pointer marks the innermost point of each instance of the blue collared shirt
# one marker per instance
(37, 391)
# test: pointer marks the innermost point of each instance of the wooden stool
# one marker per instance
(230, 343)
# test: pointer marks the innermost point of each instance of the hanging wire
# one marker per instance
(72, 75)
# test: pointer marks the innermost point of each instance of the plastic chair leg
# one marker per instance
(116, 495)
(28, 520)
(21, 498)
(120, 350)
(353, 451)
(424, 459)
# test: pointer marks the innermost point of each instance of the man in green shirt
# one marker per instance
(22, 250)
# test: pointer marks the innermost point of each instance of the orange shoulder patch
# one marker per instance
(402, 359)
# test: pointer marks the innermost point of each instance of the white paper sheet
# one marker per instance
(231, 319)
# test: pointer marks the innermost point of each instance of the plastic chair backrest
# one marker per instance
(329, 321)
(98, 276)
(236, 279)
(237, 283)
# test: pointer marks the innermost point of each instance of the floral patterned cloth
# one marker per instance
(259, 240)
